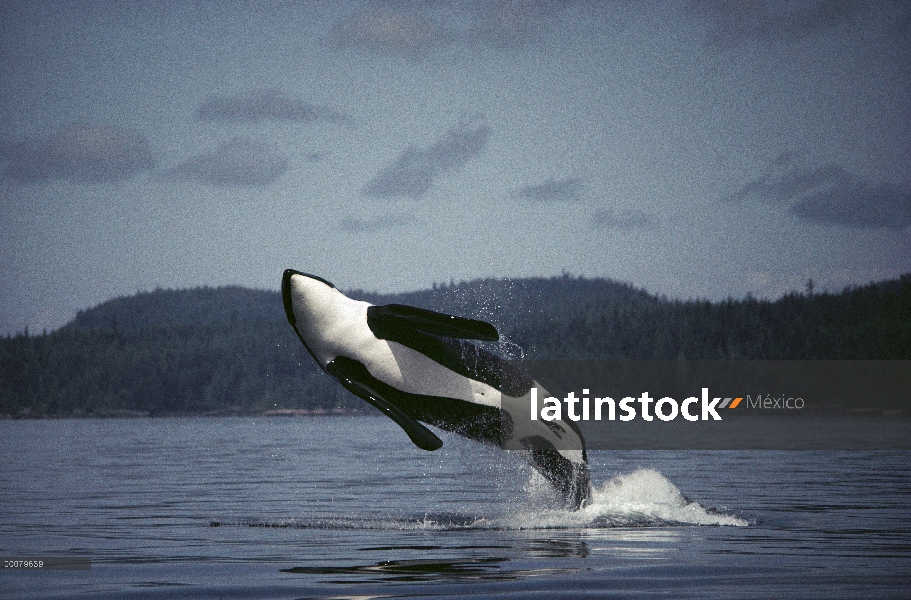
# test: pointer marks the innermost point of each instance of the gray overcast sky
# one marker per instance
(696, 149)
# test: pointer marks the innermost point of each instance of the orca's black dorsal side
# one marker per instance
(395, 316)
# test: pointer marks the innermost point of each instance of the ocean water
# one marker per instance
(345, 507)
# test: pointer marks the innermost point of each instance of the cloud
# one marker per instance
(413, 172)
(625, 219)
(503, 23)
(263, 105)
(81, 153)
(373, 224)
(386, 29)
(829, 194)
(552, 190)
(239, 163)
(420, 27)
(736, 21)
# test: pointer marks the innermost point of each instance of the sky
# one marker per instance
(696, 149)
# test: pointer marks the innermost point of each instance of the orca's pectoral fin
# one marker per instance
(356, 379)
(384, 320)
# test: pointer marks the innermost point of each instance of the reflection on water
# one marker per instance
(418, 570)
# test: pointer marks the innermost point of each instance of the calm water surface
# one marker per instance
(330, 507)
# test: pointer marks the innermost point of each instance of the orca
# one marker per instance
(419, 366)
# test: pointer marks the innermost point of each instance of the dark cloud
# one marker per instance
(240, 162)
(785, 181)
(736, 21)
(82, 153)
(857, 204)
(263, 105)
(369, 225)
(829, 194)
(625, 219)
(552, 190)
(413, 172)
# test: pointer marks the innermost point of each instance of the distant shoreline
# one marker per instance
(829, 411)
(137, 414)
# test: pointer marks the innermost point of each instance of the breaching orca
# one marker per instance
(418, 365)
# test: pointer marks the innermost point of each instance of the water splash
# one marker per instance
(507, 349)
(643, 498)
(645, 495)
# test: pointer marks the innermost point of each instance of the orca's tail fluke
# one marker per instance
(570, 478)
(581, 490)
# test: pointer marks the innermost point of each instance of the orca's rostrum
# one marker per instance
(419, 365)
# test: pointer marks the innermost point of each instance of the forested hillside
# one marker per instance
(231, 350)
